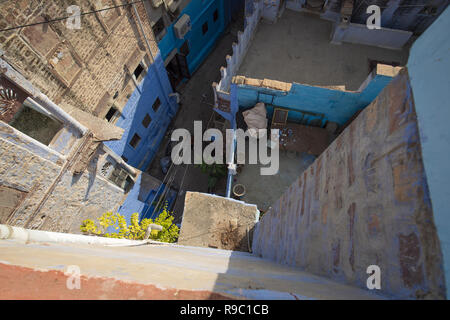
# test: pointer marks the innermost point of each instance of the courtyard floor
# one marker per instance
(297, 48)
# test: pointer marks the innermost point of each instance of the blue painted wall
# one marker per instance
(335, 105)
(141, 199)
(200, 11)
(429, 70)
(140, 104)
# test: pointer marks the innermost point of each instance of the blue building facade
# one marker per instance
(149, 110)
(208, 21)
(307, 105)
(145, 118)
(144, 198)
(151, 107)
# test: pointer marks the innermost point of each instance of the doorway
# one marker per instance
(178, 68)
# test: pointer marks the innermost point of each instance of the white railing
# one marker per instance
(221, 89)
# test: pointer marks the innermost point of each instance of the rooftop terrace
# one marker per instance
(297, 48)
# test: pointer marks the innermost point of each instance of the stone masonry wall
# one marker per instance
(73, 199)
(76, 68)
(364, 201)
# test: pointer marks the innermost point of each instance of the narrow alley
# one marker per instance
(196, 104)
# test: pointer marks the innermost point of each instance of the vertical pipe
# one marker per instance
(231, 165)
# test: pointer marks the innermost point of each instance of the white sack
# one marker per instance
(255, 118)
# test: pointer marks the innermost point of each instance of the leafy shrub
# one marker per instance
(136, 230)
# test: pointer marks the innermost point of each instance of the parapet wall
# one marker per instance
(364, 201)
(308, 104)
(222, 89)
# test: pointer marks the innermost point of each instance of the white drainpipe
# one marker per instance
(27, 235)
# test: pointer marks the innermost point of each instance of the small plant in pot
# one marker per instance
(215, 172)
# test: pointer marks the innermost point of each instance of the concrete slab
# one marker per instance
(218, 222)
(155, 272)
(266, 190)
(297, 48)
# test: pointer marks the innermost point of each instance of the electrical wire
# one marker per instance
(180, 189)
(167, 175)
(166, 189)
(139, 1)
(71, 16)
(159, 188)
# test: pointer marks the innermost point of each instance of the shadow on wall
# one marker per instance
(145, 118)
(364, 201)
(247, 276)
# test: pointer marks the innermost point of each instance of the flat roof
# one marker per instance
(297, 48)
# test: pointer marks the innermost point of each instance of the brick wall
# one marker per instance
(76, 68)
(364, 201)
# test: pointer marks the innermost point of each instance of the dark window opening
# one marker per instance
(173, 71)
(158, 29)
(121, 178)
(110, 115)
(146, 121)
(216, 15)
(138, 71)
(128, 184)
(156, 105)
(184, 50)
(116, 94)
(205, 27)
(135, 140)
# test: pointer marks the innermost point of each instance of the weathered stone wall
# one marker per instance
(22, 170)
(76, 68)
(364, 201)
(33, 174)
(76, 198)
